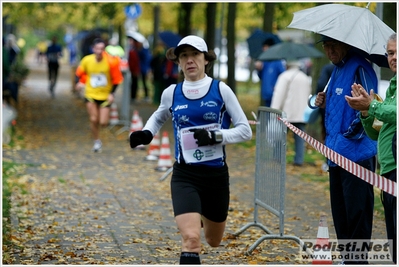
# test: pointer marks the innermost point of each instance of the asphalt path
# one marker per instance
(111, 208)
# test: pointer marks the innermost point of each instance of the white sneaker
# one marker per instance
(97, 146)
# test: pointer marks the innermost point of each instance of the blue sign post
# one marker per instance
(133, 11)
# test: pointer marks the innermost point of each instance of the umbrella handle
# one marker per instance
(312, 98)
(311, 101)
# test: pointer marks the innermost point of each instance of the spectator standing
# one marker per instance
(158, 67)
(145, 59)
(53, 54)
(268, 72)
(114, 49)
(11, 52)
(134, 67)
(41, 51)
(352, 199)
(100, 74)
(171, 72)
(291, 94)
(371, 109)
(13, 49)
(202, 110)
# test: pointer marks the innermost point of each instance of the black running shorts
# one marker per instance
(201, 189)
(100, 103)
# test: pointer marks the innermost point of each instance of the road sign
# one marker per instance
(133, 11)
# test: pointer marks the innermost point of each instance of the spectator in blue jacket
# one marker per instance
(268, 72)
(352, 199)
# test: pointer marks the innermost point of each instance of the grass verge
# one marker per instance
(10, 172)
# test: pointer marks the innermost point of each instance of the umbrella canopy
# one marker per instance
(290, 51)
(256, 40)
(355, 26)
(136, 36)
(170, 39)
(139, 38)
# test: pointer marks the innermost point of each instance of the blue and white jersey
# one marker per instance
(205, 103)
(208, 112)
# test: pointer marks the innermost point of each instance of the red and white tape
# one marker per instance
(361, 172)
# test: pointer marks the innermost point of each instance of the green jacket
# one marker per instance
(385, 112)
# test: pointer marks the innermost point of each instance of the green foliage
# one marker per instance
(19, 71)
(80, 15)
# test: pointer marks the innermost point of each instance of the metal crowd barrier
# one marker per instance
(270, 174)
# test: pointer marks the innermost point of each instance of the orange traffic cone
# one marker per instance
(136, 125)
(164, 161)
(114, 116)
(322, 255)
(153, 152)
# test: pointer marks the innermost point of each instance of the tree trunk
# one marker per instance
(157, 13)
(268, 17)
(231, 16)
(184, 19)
(210, 33)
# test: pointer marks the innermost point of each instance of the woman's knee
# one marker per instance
(192, 240)
(213, 242)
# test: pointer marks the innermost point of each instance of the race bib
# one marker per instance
(193, 153)
(98, 80)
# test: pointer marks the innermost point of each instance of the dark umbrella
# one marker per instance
(290, 51)
(170, 39)
(256, 39)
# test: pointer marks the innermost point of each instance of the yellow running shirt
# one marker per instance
(98, 82)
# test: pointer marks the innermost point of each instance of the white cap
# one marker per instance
(194, 41)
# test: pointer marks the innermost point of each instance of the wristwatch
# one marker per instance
(217, 136)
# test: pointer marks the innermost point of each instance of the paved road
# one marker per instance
(111, 208)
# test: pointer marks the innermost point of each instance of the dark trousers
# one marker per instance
(389, 203)
(266, 102)
(52, 74)
(144, 80)
(10, 90)
(352, 203)
(134, 86)
(53, 71)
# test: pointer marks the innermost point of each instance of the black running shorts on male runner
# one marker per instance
(101, 103)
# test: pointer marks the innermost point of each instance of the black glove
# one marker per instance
(204, 137)
(140, 138)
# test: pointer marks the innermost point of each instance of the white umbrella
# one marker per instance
(355, 26)
(138, 37)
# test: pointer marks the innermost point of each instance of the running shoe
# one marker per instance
(97, 146)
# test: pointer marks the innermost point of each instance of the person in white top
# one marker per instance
(291, 93)
(202, 111)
